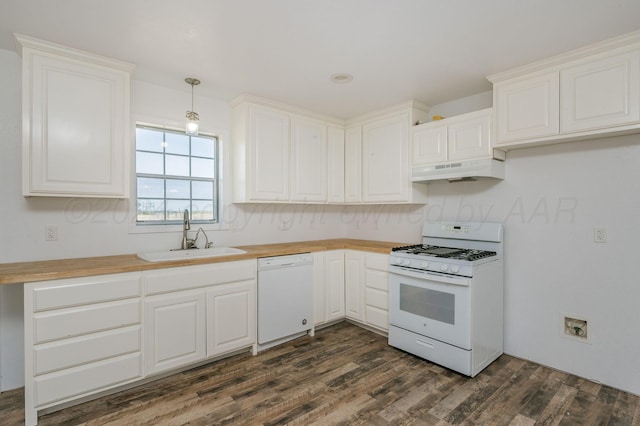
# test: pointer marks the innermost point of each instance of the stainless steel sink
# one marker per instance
(166, 255)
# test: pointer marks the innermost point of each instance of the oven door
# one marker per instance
(431, 304)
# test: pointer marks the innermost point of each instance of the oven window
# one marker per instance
(432, 304)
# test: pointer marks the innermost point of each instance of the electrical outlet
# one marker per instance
(51, 233)
(599, 235)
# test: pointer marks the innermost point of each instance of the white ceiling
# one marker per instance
(430, 50)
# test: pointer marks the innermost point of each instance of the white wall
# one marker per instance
(550, 201)
(461, 106)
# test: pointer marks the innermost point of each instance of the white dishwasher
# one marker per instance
(285, 297)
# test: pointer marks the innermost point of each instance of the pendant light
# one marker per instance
(192, 116)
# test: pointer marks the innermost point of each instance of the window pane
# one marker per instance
(177, 166)
(202, 168)
(150, 210)
(149, 163)
(202, 147)
(175, 172)
(176, 208)
(202, 210)
(149, 140)
(202, 190)
(150, 188)
(177, 143)
(178, 189)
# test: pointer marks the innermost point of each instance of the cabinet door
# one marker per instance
(354, 284)
(334, 285)
(174, 330)
(268, 174)
(353, 165)
(319, 291)
(385, 166)
(429, 144)
(231, 317)
(601, 93)
(335, 167)
(76, 132)
(527, 108)
(308, 160)
(470, 137)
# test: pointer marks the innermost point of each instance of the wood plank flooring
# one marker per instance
(348, 376)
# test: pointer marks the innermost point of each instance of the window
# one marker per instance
(175, 172)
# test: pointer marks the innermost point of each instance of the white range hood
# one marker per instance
(457, 171)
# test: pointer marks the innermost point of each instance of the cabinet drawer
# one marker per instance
(377, 317)
(85, 349)
(377, 279)
(377, 298)
(174, 279)
(72, 322)
(377, 261)
(85, 379)
(82, 291)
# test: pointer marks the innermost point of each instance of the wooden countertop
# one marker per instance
(22, 272)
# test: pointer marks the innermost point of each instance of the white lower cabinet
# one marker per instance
(367, 288)
(174, 330)
(354, 284)
(328, 285)
(85, 335)
(196, 312)
(376, 296)
(231, 317)
(82, 336)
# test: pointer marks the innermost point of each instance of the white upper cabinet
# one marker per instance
(335, 167)
(75, 110)
(463, 137)
(283, 156)
(308, 160)
(600, 93)
(586, 93)
(430, 143)
(385, 164)
(527, 108)
(470, 136)
(353, 164)
(260, 154)
(384, 156)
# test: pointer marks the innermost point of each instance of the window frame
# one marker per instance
(136, 227)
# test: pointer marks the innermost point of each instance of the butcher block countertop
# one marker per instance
(23, 272)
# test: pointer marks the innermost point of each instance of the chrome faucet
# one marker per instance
(187, 243)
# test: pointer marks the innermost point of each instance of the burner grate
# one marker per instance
(444, 252)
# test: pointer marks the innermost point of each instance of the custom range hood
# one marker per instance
(459, 171)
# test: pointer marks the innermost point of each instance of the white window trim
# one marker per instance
(224, 184)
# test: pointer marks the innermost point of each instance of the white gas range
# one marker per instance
(445, 295)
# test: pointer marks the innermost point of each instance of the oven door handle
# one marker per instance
(431, 276)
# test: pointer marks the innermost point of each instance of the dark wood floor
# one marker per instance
(349, 376)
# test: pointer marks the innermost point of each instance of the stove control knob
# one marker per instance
(396, 260)
(444, 268)
(406, 262)
(455, 269)
(425, 264)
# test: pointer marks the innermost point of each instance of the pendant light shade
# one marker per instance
(192, 117)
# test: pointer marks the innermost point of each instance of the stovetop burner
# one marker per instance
(444, 252)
